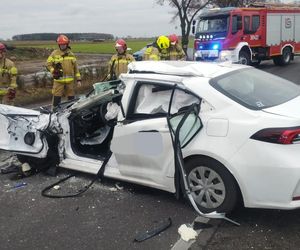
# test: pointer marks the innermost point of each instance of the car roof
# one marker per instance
(183, 68)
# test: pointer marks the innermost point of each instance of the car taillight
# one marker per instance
(278, 135)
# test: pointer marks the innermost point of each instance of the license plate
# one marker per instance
(210, 53)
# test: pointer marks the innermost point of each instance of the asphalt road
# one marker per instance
(104, 218)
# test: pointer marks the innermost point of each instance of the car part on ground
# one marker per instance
(155, 231)
(81, 191)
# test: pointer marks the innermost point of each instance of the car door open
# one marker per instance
(22, 131)
(142, 143)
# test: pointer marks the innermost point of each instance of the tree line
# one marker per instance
(53, 36)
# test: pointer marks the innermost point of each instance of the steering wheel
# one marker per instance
(102, 112)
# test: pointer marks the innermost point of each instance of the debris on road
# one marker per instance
(117, 185)
(9, 165)
(187, 233)
(56, 187)
(19, 185)
(150, 233)
(113, 189)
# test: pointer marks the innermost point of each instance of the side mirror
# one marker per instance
(193, 27)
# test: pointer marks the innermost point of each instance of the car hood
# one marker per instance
(288, 109)
(11, 110)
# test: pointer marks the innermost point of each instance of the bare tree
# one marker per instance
(186, 10)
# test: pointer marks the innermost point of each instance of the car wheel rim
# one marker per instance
(208, 189)
(287, 57)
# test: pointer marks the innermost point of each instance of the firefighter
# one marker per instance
(62, 64)
(175, 50)
(8, 78)
(159, 50)
(118, 63)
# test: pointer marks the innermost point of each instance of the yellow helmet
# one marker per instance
(163, 42)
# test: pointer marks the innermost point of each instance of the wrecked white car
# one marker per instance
(234, 129)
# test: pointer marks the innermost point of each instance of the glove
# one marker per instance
(11, 94)
(57, 73)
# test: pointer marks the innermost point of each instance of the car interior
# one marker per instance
(90, 131)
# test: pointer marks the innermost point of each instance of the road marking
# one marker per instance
(183, 245)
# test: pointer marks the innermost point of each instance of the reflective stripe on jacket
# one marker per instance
(8, 75)
(68, 63)
(152, 54)
(118, 64)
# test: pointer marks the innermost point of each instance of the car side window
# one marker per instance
(151, 100)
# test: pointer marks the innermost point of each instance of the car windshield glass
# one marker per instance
(213, 24)
(255, 89)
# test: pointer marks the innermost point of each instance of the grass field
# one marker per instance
(106, 47)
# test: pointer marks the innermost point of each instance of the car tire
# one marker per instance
(285, 58)
(244, 58)
(256, 63)
(212, 185)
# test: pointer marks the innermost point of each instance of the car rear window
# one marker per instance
(255, 89)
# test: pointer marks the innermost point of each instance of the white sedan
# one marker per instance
(238, 129)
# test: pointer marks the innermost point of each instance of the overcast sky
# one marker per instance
(137, 18)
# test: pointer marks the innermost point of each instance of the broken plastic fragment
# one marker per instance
(113, 189)
(187, 233)
(56, 187)
(118, 186)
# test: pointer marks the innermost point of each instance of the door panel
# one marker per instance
(143, 150)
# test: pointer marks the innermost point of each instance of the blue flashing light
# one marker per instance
(201, 47)
(216, 46)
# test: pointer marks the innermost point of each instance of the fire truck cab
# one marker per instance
(248, 35)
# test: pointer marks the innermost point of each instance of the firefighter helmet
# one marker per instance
(163, 42)
(121, 43)
(63, 40)
(2, 47)
(173, 39)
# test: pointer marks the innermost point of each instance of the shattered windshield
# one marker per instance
(213, 24)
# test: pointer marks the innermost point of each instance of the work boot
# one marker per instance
(56, 101)
(71, 98)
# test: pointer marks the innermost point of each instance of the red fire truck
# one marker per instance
(248, 35)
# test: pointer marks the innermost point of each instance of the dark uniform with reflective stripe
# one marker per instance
(68, 63)
(8, 79)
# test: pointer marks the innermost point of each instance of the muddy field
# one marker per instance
(36, 65)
